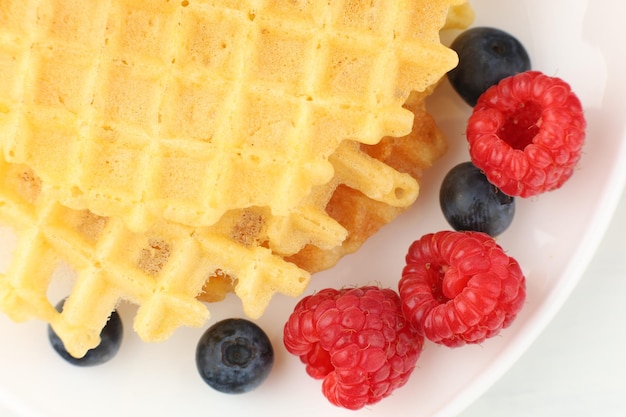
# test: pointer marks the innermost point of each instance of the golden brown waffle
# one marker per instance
(152, 109)
(99, 156)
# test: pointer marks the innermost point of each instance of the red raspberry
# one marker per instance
(460, 287)
(526, 133)
(357, 340)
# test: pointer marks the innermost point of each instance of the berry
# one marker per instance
(234, 356)
(110, 342)
(527, 133)
(470, 202)
(356, 340)
(486, 56)
(460, 287)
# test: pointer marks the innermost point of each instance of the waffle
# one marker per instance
(360, 215)
(159, 106)
(169, 269)
(132, 220)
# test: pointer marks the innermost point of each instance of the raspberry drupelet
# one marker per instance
(356, 340)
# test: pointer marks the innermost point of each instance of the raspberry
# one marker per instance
(356, 340)
(460, 287)
(526, 133)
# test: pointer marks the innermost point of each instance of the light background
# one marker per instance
(577, 367)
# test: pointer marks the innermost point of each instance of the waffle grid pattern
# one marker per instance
(162, 270)
(155, 97)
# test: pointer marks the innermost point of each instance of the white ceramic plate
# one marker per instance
(553, 237)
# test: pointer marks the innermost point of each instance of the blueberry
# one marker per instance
(470, 202)
(486, 56)
(234, 356)
(110, 341)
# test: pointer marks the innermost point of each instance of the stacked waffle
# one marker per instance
(171, 152)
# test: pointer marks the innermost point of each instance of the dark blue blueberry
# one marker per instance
(110, 341)
(234, 356)
(470, 202)
(486, 56)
